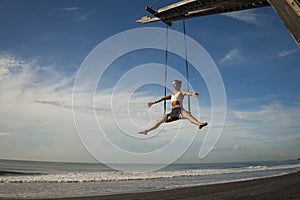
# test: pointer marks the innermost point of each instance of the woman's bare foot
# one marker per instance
(143, 132)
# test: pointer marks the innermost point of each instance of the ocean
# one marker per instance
(34, 180)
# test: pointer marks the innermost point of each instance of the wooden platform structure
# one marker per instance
(288, 11)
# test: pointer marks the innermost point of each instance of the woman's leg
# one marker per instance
(161, 120)
(192, 119)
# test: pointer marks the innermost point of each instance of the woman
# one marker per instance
(178, 112)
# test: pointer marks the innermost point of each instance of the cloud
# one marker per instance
(285, 53)
(247, 16)
(265, 113)
(34, 125)
(40, 114)
(237, 147)
(79, 15)
(85, 16)
(261, 131)
(70, 9)
(54, 103)
(10, 65)
(8, 61)
(4, 134)
(70, 106)
(234, 147)
(270, 121)
(233, 56)
(37, 109)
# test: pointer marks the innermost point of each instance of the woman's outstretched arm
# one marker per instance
(195, 94)
(159, 100)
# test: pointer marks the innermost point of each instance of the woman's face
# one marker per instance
(176, 85)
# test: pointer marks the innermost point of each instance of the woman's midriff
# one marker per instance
(175, 104)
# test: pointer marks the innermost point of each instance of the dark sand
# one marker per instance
(281, 187)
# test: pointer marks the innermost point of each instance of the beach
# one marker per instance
(279, 187)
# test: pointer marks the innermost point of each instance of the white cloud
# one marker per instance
(270, 122)
(4, 134)
(10, 65)
(260, 133)
(85, 16)
(70, 9)
(234, 147)
(285, 53)
(233, 56)
(272, 112)
(79, 15)
(247, 16)
(22, 83)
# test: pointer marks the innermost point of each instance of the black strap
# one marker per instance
(166, 69)
(186, 66)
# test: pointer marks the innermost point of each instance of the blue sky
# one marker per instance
(43, 44)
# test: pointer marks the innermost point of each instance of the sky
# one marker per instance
(44, 43)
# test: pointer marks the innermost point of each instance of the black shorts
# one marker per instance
(174, 114)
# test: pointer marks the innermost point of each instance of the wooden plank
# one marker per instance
(147, 19)
(295, 5)
(175, 5)
(289, 17)
(225, 6)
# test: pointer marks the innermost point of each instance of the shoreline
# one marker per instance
(277, 187)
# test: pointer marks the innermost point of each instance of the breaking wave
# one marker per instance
(72, 177)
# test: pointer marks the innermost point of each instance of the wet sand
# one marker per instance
(280, 187)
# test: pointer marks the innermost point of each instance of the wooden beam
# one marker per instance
(288, 11)
(195, 8)
(289, 16)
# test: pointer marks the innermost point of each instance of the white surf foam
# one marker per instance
(123, 176)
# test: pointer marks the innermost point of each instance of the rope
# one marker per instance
(166, 69)
(186, 66)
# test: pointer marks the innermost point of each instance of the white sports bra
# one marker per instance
(177, 97)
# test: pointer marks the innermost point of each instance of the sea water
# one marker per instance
(32, 179)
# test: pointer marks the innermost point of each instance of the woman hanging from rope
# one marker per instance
(178, 112)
